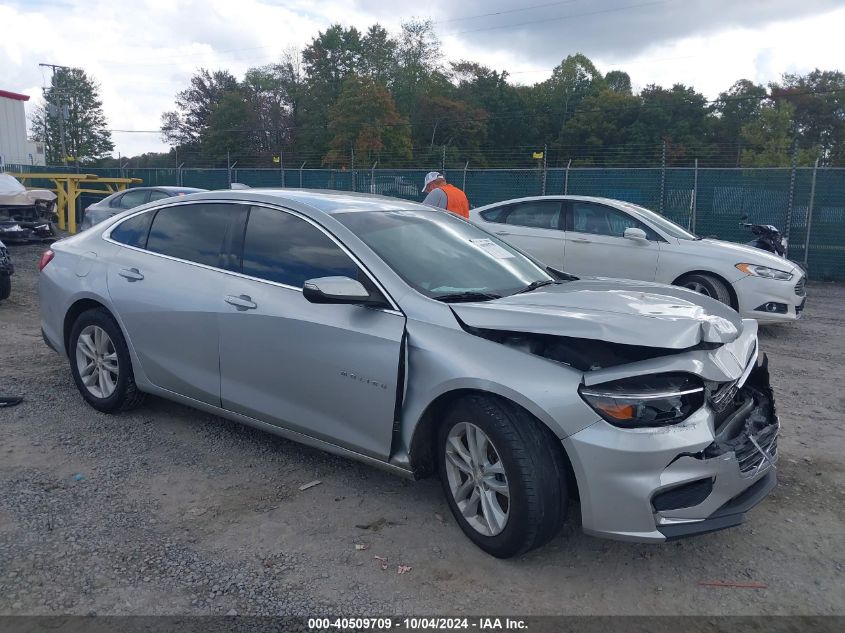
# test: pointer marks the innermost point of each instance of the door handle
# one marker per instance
(502, 233)
(241, 302)
(132, 274)
(582, 241)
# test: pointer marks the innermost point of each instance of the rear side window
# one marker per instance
(158, 195)
(538, 214)
(133, 198)
(193, 232)
(133, 232)
(286, 249)
(494, 215)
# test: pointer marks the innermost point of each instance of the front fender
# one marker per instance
(443, 359)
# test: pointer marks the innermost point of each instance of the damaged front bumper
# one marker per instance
(699, 476)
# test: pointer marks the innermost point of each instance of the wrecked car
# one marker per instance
(7, 269)
(410, 339)
(26, 215)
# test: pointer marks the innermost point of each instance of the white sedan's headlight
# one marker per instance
(764, 271)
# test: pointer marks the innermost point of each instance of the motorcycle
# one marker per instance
(768, 237)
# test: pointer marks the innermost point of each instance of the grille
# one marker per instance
(799, 287)
(750, 458)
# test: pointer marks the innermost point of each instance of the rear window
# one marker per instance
(193, 232)
(133, 232)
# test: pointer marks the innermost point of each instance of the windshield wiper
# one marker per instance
(538, 284)
(455, 297)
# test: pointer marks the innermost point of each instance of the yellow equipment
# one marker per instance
(69, 186)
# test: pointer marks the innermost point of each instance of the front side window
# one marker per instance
(438, 254)
(538, 214)
(133, 198)
(133, 232)
(193, 232)
(286, 249)
(596, 219)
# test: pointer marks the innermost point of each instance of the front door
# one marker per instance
(328, 371)
(595, 246)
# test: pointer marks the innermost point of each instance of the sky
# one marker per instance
(142, 52)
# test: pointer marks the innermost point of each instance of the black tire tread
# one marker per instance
(5, 286)
(719, 291)
(541, 471)
(132, 396)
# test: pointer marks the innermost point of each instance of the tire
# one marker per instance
(5, 286)
(524, 462)
(709, 286)
(110, 387)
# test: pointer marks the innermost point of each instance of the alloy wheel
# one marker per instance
(697, 287)
(96, 360)
(477, 479)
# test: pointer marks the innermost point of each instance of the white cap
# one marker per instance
(430, 177)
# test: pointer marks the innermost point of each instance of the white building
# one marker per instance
(14, 146)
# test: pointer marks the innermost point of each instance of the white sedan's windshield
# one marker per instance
(440, 255)
(664, 224)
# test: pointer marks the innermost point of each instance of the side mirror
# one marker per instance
(335, 290)
(633, 233)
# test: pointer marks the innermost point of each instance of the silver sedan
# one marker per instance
(410, 339)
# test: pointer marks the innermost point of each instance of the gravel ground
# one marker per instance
(167, 510)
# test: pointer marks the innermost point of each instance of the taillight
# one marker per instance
(46, 257)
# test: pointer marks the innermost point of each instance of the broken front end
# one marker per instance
(660, 478)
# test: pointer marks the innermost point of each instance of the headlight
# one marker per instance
(646, 401)
(764, 271)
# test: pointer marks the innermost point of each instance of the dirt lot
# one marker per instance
(168, 510)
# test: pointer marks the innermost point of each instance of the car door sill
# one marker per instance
(294, 436)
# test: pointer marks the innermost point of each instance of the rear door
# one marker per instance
(328, 371)
(596, 246)
(535, 226)
(166, 286)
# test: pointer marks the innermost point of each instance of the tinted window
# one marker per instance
(133, 198)
(601, 220)
(283, 248)
(539, 214)
(158, 195)
(494, 215)
(193, 232)
(133, 232)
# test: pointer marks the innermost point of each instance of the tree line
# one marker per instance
(352, 99)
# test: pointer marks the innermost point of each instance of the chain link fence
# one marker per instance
(806, 204)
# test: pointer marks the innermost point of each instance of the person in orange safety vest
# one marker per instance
(445, 196)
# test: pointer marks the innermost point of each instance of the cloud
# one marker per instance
(142, 52)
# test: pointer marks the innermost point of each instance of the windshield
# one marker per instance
(439, 254)
(664, 224)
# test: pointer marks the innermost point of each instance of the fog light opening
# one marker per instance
(772, 307)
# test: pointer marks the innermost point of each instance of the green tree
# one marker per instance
(575, 78)
(769, 139)
(186, 126)
(737, 107)
(819, 102)
(678, 116)
(599, 133)
(378, 56)
(87, 137)
(618, 81)
(365, 118)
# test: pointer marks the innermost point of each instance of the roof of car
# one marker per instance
(323, 200)
(611, 201)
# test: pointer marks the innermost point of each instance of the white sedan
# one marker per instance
(600, 237)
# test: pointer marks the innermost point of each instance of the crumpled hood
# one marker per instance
(612, 310)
